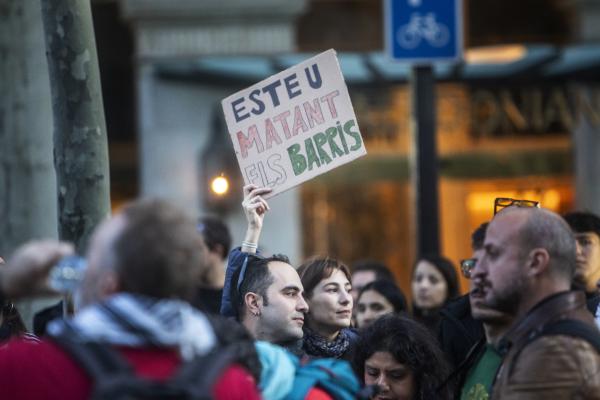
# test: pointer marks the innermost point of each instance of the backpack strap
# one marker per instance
(574, 328)
(111, 375)
(97, 359)
(114, 378)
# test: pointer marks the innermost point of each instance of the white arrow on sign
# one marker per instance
(414, 3)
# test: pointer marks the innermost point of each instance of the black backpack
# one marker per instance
(115, 379)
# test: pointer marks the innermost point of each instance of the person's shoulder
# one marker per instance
(29, 367)
(592, 302)
(236, 384)
(557, 356)
(352, 334)
(458, 308)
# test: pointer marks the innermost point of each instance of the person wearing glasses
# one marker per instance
(316, 314)
(552, 347)
(476, 374)
(434, 284)
(264, 294)
(458, 331)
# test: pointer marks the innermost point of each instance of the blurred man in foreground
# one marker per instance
(142, 266)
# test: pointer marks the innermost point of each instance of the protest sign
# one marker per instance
(294, 125)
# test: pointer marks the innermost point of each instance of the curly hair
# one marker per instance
(411, 344)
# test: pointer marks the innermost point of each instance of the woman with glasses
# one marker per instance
(377, 299)
(434, 283)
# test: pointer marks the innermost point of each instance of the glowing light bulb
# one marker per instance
(219, 185)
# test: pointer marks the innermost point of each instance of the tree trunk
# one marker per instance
(27, 179)
(80, 144)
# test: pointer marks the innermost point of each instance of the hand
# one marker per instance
(254, 205)
(26, 273)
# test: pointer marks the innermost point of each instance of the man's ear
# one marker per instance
(253, 303)
(538, 262)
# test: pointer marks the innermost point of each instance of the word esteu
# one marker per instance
(288, 86)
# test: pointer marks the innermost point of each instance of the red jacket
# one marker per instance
(42, 371)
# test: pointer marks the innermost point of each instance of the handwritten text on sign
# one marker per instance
(294, 125)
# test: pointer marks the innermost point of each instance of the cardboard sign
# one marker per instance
(294, 125)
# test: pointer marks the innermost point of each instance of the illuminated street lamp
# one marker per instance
(219, 185)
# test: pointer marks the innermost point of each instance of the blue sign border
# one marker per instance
(388, 36)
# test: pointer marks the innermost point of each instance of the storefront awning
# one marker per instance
(538, 62)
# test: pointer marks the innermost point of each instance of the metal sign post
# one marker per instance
(422, 32)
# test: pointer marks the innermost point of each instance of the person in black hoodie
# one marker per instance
(458, 331)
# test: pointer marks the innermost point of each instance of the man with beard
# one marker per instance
(484, 359)
(526, 272)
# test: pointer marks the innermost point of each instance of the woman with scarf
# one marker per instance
(326, 284)
(327, 330)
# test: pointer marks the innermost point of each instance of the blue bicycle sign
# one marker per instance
(422, 27)
(423, 30)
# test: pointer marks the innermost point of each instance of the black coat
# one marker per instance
(458, 332)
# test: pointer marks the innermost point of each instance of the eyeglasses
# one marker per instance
(467, 266)
(245, 266)
(503, 202)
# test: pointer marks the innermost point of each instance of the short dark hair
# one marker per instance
(390, 291)
(257, 279)
(316, 269)
(382, 272)
(411, 344)
(215, 233)
(478, 236)
(158, 251)
(582, 221)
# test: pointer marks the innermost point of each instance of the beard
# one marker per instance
(507, 300)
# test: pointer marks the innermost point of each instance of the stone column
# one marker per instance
(586, 134)
(175, 118)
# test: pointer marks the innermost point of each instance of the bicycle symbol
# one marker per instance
(422, 27)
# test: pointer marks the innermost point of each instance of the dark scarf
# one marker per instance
(317, 346)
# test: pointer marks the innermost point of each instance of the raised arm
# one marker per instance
(255, 208)
(26, 273)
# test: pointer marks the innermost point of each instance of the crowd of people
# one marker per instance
(167, 310)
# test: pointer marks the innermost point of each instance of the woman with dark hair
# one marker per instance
(434, 283)
(326, 283)
(403, 359)
(376, 299)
